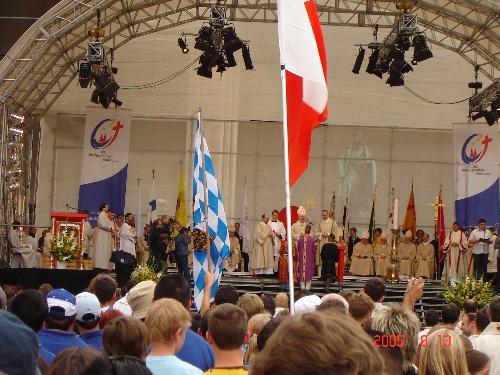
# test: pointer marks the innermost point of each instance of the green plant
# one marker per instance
(64, 246)
(470, 288)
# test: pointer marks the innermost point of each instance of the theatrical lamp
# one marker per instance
(395, 74)
(490, 117)
(421, 51)
(372, 63)
(106, 90)
(84, 75)
(359, 60)
(183, 45)
(15, 117)
(202, 41)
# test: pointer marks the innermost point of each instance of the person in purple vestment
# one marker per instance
(307, 251)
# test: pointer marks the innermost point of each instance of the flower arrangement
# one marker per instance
(470, 288)
(147, 272)
(64, 246)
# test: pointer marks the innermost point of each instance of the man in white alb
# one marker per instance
(455, 247)
(300, 225)
(280, 233)
(325, 226)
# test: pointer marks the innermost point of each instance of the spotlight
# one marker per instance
(231, 41)
(203, 39)
(16, 117)
(495, 105)
(490, 117)
(107, 89)
(183, 45)
(246, 58)
(84, 75)
(205, 68)
(475, 85)
(372, 63)
(359, 60)
(421, 51)
(94, 98)
(114, 70)
(478, 115)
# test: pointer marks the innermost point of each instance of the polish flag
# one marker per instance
(303, 55)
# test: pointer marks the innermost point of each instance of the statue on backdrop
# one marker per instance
(358, 176)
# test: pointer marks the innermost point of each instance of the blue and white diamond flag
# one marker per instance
(216, 218)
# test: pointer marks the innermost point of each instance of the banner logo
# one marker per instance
(470, 152)
(104, 140)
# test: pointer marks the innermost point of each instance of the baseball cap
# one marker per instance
(61, 303)
(88, 307)
(140, 298)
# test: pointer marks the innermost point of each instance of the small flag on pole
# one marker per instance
(152, 203)
(371, 228)
(345, 219)
(215, 217)
(180, 208)
(244, 226)
(411, 216)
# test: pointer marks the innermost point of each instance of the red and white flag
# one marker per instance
(441, 227)
(302, 51)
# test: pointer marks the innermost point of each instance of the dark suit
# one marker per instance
(245, 256)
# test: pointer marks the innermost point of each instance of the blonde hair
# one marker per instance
(164, 318)
(443, 355)
(255, 325)
(251, 304)
(281, 300)
(396, 319)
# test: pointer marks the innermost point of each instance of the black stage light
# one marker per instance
(359, 60)
(95, 97)
(106, 87)
(490, 117)
(478, 115)
(231, 41)
(183, 45)
(495, 105)
(114, 70)
(421, 51)
(246, 57)
(230, 60)
(372, 63)
(84, 75)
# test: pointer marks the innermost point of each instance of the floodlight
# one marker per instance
(359, 60)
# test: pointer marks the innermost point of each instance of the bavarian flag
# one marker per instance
(180, 208)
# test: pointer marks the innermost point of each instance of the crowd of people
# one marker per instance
(150, 328)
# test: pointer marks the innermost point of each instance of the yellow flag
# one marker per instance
(180, 208)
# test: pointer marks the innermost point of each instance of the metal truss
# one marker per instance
(41, 65)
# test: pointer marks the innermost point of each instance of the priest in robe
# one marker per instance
(326, 226)
(406, 252)
(103, 242)
(232, 261)
(306, 247)
(455, 247)
(300, 225)
(280, 232)
(362, 257)
(262, 253)
(425, 258)
(382, 255)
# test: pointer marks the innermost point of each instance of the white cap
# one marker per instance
(307, 304)
(384, 235)
(301, 211)
(365, 234)
(408, 234)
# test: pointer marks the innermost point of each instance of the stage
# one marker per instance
(74, 281)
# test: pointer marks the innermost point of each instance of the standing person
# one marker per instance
(455, 247)
(142, 249)
(87, 235)
(283, 274)
(329, 256)
(103, 243)
(299, 226)
(307, 251)
(326, 226)
(117, 225)
(262, 255)
(480, 239)
(488, 341)
(182, 241)
(406, 252)
(362, 257)
(128, 235)
(425, 258)
(493, 255)
(31, 241)
(279, 232)
(353, 240)
(382, 255)
(244, 251)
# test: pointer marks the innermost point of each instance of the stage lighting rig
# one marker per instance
(389, 55)
(97, 69)
(218, 41)
(481, 101)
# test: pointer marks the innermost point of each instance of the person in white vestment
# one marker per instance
(232, 261)
(128, 235)
(455, 247)
(406, 254)
(362, 257)
(28, 257)
(425, 258)
(87, 235)
(104, 241)
(280, 233)
(31, 242)
(300, 225)
(325, 226)
(262, 252)
(382, 255)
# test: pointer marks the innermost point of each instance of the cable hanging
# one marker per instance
(432, 101)
(161, 81)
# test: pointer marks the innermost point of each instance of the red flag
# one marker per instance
(304, 57)
(441, 228)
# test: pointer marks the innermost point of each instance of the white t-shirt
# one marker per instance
(171, 365)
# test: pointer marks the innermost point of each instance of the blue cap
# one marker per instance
(61, 303)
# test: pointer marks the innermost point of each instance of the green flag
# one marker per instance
(372, 222)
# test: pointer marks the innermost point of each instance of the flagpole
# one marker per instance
(205, 195)
(287, 191)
